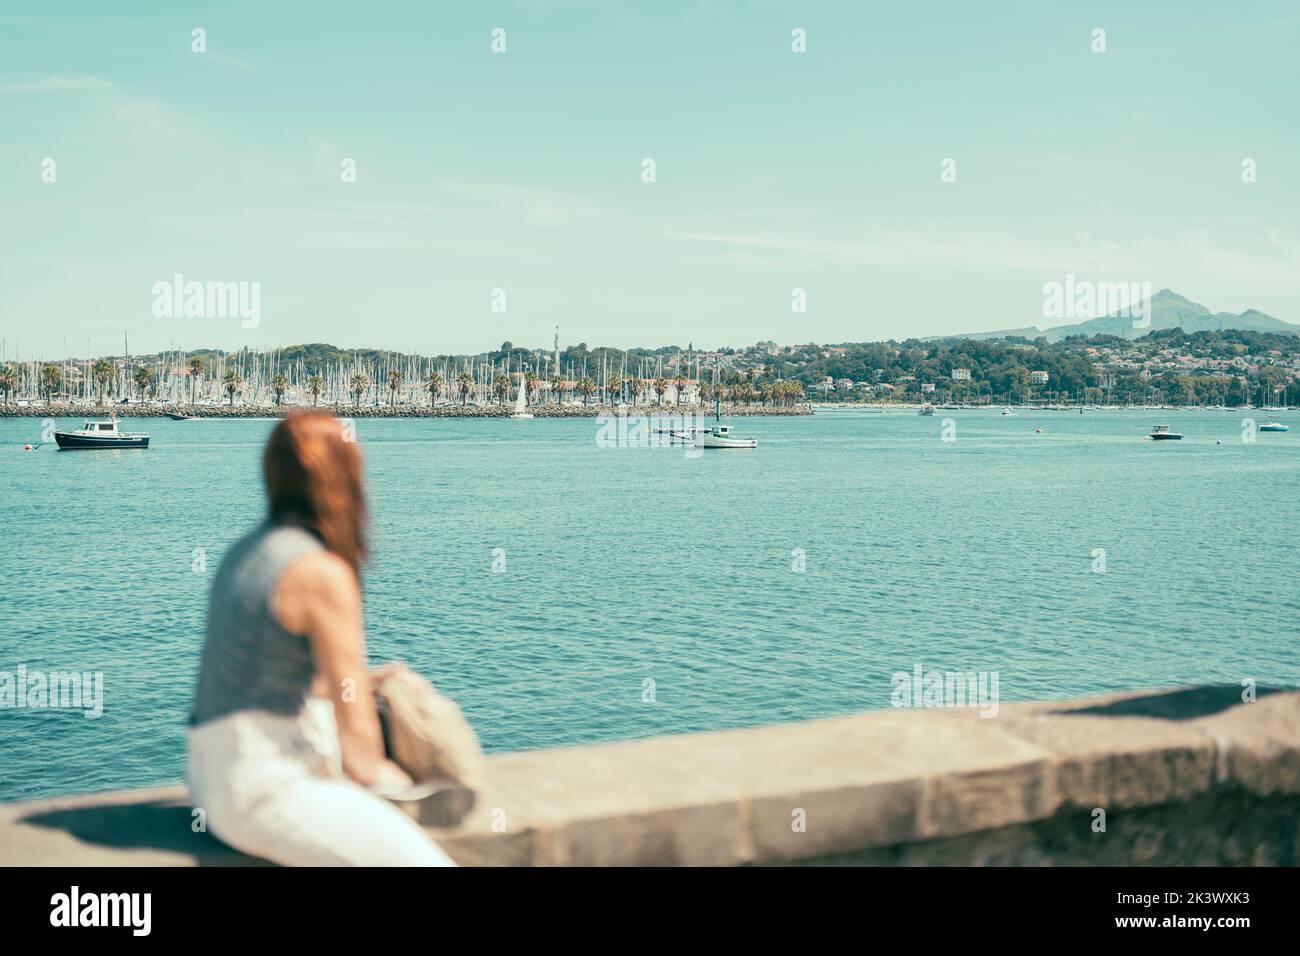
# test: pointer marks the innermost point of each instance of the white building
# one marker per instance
(961, 375)
(1038, 378)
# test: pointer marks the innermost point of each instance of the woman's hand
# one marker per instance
(375, 774)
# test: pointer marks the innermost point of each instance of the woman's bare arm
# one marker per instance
(318, 596)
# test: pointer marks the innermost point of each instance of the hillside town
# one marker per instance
(1168, 367)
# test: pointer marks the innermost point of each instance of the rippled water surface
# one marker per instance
(624, 566)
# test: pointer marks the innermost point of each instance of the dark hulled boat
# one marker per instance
(100, 434)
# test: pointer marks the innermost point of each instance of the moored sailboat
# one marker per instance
(521, 401)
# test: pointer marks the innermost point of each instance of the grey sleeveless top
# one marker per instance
(249, 661)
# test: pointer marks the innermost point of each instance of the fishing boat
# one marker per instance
(1162, 433)
(716, 435)
(1274, 427)
(719, 436)
(521, 401)
(100, 434)
(926, 409)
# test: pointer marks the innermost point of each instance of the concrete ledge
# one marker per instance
(898, 786)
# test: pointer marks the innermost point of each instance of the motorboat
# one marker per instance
(926, 409)
(178, 417)
(1274, 427)
(100, 434)
(719, 436)
(1162, 433)
(716, 435)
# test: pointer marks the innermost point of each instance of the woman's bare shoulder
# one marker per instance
(313, 583)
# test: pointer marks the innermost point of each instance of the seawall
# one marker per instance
(1192, 776)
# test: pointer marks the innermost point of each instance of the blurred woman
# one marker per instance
(286, 752)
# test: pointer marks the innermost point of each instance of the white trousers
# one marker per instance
(273, 787)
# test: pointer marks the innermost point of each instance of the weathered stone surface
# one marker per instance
(496, 832)
(1105, 761)
(1258, 743)
(897, 786)
(126, 828)
(806, 788)
(1220, 827)
(625, 804)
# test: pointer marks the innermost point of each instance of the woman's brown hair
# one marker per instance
(313, 479)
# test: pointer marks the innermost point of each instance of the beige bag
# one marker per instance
(425, 733)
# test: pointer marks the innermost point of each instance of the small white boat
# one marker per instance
(1162, 433)
(719, 436)
(1274, 427)
(716, 435)
(521, 401)
(1007, 411)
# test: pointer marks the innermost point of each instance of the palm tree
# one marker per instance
(394, 383)
(433, 382)
(101, 370)
(8, 381)
(464, 383)
(613, 386)
(557, 387)
(196, 373)
(358, 387)
(706, 391)
(281, 384)
(143, 379)
(660, 387)
(231, 382)
(501, 387)
(679, 380)
(51, 377)
(530, 379)
(586, 385)
(315, 385)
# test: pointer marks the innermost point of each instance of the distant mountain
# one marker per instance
(1167, 310)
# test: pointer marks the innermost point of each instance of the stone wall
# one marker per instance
(1190, 776)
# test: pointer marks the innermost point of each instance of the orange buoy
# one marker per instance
(28, 448)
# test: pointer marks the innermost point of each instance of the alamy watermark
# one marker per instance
(57, 690)
(932, 688)
(1083, 299)
(178, 299)
(658, 431)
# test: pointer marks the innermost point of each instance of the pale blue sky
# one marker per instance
(522, 171)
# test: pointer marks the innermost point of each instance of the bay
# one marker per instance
(641, 591)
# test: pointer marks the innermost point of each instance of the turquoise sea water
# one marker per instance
(628, 565)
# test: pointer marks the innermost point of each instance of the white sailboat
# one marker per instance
(521, 401)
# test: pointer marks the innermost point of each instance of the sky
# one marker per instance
(522, 170)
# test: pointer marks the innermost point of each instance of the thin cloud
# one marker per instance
(59, 84)
(229, 60)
